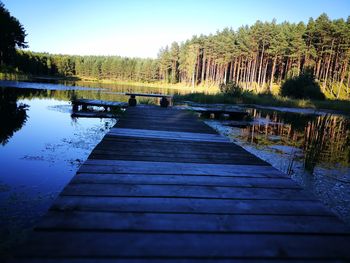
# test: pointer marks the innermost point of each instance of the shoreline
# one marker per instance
(203, 94)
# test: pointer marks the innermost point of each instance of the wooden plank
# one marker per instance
(155, 259)
(162, 126)
(190, 136)
(165, 151)
(151, 143)
(189, 205)
(156, 133)
(224, 181)
(80, 114)
(150, 157)
(184, 191)
(149, 95)
(140, 167)
(191, 245)
(109, 221)
(182, 156)
(100, 103)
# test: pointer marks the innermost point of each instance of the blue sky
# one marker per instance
(138, 28)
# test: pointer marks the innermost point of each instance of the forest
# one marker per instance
(259, 57)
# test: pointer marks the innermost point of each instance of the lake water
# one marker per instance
(41, 147)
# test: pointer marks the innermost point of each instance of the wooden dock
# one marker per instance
(85, 103)
(233, 114)
(163, 186)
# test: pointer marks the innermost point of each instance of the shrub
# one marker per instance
(231, 88)
(303, 86)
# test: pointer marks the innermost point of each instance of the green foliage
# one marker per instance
(231, 88)
(303, 86)
(12, 35)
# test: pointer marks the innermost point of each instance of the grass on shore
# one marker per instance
(265, 100)
(178, 86)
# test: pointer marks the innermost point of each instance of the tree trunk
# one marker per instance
(207, 74)
(234, 70)
(238, 70)
(197, 67)
(249, 67)
(265, 71)
(260, 65)
(273, 72)
(342, 77)
(318, 68)
(231, 71)
(203, 68)
(327, 70)
(347, 85)
(225, 74)
(193, 78)
(298, 66)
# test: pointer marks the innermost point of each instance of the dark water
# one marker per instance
(313, 149)
(41, 147)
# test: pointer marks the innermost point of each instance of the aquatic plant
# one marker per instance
(314, 143)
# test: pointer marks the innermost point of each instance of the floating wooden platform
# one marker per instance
(93, 114)
(165, 100)
(152, 95)
(218, 112)
(163, 186)
(98, 103)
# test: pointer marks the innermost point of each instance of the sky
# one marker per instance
(139, 28)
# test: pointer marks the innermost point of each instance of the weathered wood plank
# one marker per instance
(190, 136)
(162, 127)
(224, 181)
(100, 103)
(156, 259)
(149, 95)
(113, 143)
(84, 114)
(120, 166)
(170, 148)
(197, 245)
(212, 160)
(170, 137)
(161, 152)
(210, 192)
(109, 221)
(189, 205)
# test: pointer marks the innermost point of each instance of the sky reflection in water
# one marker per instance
(39, 154)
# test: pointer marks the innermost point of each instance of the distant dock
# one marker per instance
(163, 186)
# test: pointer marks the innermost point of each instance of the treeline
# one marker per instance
(262, 54)
(98, 67)
(256, 57)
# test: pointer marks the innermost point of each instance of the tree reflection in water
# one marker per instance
(324, 140)
(13, 115)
